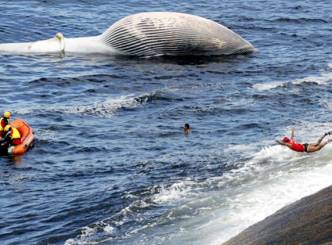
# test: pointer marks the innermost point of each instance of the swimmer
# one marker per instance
(299, 147)
(186, 128)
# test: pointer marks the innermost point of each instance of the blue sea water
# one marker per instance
(110, 163)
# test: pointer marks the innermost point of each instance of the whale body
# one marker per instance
(146, 34)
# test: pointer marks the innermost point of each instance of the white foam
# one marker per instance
(109, 229)
(321, 79)
(268, 86)
(276, 152)
(105, 108)
(225, 213)
(173, 192)
(240, 148)
(86, 233)
(249, 208)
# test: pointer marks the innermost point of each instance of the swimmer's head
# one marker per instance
(286, 140)
(186, 126)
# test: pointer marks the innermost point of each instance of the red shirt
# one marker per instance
(296, 146)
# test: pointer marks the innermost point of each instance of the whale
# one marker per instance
(146, 34)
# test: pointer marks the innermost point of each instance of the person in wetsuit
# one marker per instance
(306, 147)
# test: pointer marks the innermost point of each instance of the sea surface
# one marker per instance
(111, 164)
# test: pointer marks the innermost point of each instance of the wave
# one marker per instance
(101, 108)
(174, 192)
(299, 20)
(67, 81)
(105, 108)
(110, 106)
(321, 79)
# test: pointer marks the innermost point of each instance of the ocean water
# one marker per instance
(111, 165)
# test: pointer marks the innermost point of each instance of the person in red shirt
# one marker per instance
(299, 147)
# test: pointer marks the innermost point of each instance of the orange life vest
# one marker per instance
(15, 134)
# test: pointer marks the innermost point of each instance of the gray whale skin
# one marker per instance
(146, 34)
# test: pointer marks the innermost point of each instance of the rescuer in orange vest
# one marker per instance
(12, 137)
(4, 121)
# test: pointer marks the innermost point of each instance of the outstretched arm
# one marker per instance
(293, 133)
(280, 142)
(283, 143)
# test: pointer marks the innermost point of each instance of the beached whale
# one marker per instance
(146, 34)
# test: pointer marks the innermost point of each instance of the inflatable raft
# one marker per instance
(27, 137)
